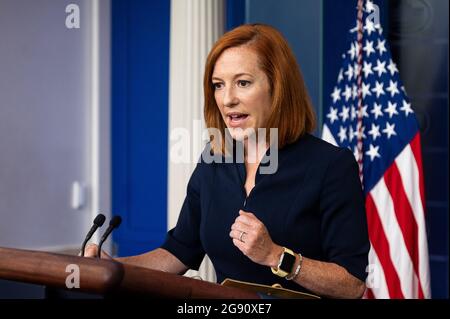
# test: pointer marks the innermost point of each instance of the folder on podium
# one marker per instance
(274, 291)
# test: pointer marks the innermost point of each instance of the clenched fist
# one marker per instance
(250, 235)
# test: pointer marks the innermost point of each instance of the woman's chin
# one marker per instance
(241, 134)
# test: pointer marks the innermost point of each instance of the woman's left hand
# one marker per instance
(253, 240)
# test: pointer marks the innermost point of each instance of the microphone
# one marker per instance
(114, 223)
(98, 222)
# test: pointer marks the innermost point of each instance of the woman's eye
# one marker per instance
(217, 85)
(243, 83)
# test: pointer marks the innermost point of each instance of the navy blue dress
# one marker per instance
(313, 204)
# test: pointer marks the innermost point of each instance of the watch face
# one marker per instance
(288, 262)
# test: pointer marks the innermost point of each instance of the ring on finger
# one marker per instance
(241, 235)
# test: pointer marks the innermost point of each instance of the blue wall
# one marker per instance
(235, 13)
(140, 85)
(300, 23)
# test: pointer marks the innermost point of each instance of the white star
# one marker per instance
(367, 69)
(381, 46)
(369, 27)
(389, 130)
(373, 152)
(364, 111)
(354, 91)
(406, 108)
(392, 67)
(345, 113)
(376, 111)
(375, 131)
(347, 93)
(380, 68)
(403, 89)
(365, 90)
(392, 88)
(342, 133)
(349, 72)
(351, 133)
(332, 115)
(368, 48)
(391, 109)
(353, 113)
(352, 51)
(340, 76)
(378, 89)
(336, 95)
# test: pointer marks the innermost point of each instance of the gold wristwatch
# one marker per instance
(286, 263)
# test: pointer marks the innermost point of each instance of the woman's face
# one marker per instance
(242, 91)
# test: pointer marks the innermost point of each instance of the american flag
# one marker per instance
(370, 114)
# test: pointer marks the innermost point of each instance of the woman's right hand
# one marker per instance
(91, 250)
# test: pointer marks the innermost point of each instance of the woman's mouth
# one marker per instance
(237, 119)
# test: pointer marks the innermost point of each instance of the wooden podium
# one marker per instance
(107, 277)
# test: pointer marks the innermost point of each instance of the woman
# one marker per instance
(302, 225)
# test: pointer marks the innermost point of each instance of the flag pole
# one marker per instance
(359, 81)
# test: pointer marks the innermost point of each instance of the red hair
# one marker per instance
(292, 111)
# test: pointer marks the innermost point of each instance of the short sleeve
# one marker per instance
(344, 226)
(183, 241)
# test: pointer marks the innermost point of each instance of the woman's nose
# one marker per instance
(229, 97)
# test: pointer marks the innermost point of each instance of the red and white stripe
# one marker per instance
(396, 221)
(398, 258)
(376, 279)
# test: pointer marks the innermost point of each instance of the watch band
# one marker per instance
(297, 270)
(283, 272)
